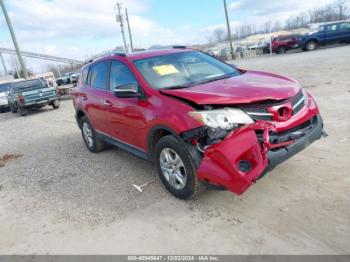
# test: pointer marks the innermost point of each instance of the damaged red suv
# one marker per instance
(201, 121)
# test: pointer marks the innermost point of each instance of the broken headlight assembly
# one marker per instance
(219, 123)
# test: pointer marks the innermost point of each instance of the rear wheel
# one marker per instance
(23, 111)
(56, 104)
(176, 168)
(311, 45)
(281, 50)
(94, 144)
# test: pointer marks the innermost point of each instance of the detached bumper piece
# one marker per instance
(248, 153)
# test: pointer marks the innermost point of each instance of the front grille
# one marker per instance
(298, 102)
(258, 113)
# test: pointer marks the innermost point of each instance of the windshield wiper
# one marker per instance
(200, 82)
(177, 87)
(214, 79)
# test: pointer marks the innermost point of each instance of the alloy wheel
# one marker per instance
(87, 132)
(173, 168)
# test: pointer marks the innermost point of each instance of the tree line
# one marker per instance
(338, 10)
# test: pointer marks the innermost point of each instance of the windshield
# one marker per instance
(27, 84)
(181, 70)
(5, 87)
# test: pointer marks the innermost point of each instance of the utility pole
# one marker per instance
(130, 36)
(9, 24)
(119, 18)
(3, 64)
(228, 29)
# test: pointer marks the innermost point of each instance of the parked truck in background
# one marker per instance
(29, 94)
(326, 34)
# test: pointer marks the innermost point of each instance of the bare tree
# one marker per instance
(276, 26)
(219, 35)
(267, 27)
(341, 8)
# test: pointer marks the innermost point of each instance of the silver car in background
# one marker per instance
(4, 91)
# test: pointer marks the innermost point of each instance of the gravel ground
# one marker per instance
(60, 199)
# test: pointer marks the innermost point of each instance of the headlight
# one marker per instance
(226, 119)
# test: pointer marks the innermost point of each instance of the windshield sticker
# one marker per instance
(165, 70)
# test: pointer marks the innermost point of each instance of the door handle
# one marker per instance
(107, 103)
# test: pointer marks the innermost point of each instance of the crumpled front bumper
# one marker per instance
(222, 163)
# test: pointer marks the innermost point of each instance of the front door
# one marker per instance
(126, 115)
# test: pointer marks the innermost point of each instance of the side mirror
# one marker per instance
(127, 91)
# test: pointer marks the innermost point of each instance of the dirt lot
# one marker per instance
(60, 199)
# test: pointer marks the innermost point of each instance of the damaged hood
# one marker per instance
(249, 87)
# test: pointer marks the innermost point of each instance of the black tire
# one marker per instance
(23, 111)
(281, 50)
(56, 104)
(97, 145)
(192, 186)
(311, 46)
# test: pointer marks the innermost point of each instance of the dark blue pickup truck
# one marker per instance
(326, 34)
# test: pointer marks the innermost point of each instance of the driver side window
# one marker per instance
(120, 75)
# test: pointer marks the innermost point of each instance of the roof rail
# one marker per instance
(179, 47)
(109, 53)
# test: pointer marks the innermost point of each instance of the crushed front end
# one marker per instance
(235, 159)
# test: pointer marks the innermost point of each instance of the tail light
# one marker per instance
(21, 98)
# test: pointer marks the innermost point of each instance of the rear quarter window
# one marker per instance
(84, 75)
(99, 75)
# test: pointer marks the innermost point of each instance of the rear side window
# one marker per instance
(28, 84)
(99, 75)
(84, 75)
(120, 75)
(344, 26)
(332, 28)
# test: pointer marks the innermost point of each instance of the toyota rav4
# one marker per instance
(200, 120)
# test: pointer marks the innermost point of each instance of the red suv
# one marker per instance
(283, 43)
(200, 120)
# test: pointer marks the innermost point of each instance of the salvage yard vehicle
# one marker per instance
(64, 79)
(200, 120)
(4, 90)
(326, 34)
(283, 43)
(29, 94)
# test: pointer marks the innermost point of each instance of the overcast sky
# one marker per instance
(78, 28)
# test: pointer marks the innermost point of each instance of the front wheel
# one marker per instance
(94, 144)
(311, 46)
(176, 167)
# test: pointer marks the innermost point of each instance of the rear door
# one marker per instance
(344, 31)
(332, 34)
(93, 94)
